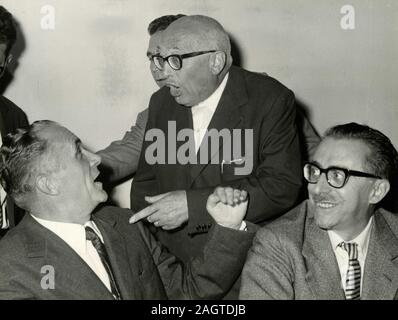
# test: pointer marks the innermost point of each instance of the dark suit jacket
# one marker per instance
(292, 258)
(249, 101)
(143, 269)
(11, 118)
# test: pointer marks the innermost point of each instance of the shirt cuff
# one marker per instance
(243, 226)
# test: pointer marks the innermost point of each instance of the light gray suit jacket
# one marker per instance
(120, 159)
(292, 258)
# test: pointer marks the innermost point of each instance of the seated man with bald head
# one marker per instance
(339, 244)
(62, 250)
(204, 93)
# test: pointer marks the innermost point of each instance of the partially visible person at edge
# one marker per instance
(11, 116)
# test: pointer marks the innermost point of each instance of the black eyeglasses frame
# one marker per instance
(348, 173)
(155, 58)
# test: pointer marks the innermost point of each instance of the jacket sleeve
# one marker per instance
(207, 276)
(267, 273)
(274, 185)
(120, 159)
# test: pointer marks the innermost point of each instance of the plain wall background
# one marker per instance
(90, 73)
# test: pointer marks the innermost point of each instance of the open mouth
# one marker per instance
(174, 90)
(325, 204)
(96, 180)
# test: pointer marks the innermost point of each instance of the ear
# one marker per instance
(218, 62)
(45, 184)
(379, 191)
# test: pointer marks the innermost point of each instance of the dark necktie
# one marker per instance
(99, 246)
(353, 281)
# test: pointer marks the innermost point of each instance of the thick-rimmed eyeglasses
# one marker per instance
(335, 176)
(175, 60)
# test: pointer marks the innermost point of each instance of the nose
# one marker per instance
(157, 75)
(167, 70)
(154, 69)
(321, 186)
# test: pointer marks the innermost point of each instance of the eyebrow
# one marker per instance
(336, 167)
(316, 162)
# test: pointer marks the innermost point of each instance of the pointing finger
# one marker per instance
(143, 214)
(155, 198)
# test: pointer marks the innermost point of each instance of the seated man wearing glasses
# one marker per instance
(338, 244)
(203, 92)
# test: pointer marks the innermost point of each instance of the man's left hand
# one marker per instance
(228, 206)
(167, 210)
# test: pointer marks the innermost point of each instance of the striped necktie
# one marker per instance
(99, 246)
(353, 280)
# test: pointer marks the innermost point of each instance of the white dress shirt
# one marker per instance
(201, 117)
(362, 240)
(203, 112)
(75, 236)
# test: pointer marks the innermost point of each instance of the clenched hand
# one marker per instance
(228, 206)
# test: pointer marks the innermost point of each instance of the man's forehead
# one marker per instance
(179, 37)
(346, 153)
(154, 42)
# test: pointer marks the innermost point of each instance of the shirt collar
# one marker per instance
(215, 97)
(362, 239)
(73, 234)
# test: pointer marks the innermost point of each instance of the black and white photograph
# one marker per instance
(218, 151)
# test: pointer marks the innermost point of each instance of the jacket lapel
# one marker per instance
(381, 266)
(323, 275)
(72, 275)
(127, 280)
(226, 116)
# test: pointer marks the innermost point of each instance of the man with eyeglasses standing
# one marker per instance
(11, 117)
(203, 91)
(338, 244)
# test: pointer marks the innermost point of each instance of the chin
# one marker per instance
(180, 100)
(322, 224)
(102, 197)
(323, 220)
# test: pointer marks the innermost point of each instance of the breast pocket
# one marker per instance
(236, 168)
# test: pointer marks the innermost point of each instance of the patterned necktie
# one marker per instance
(99, 246)
(353, 281)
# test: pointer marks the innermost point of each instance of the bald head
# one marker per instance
(204, 52)
(196, 33)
